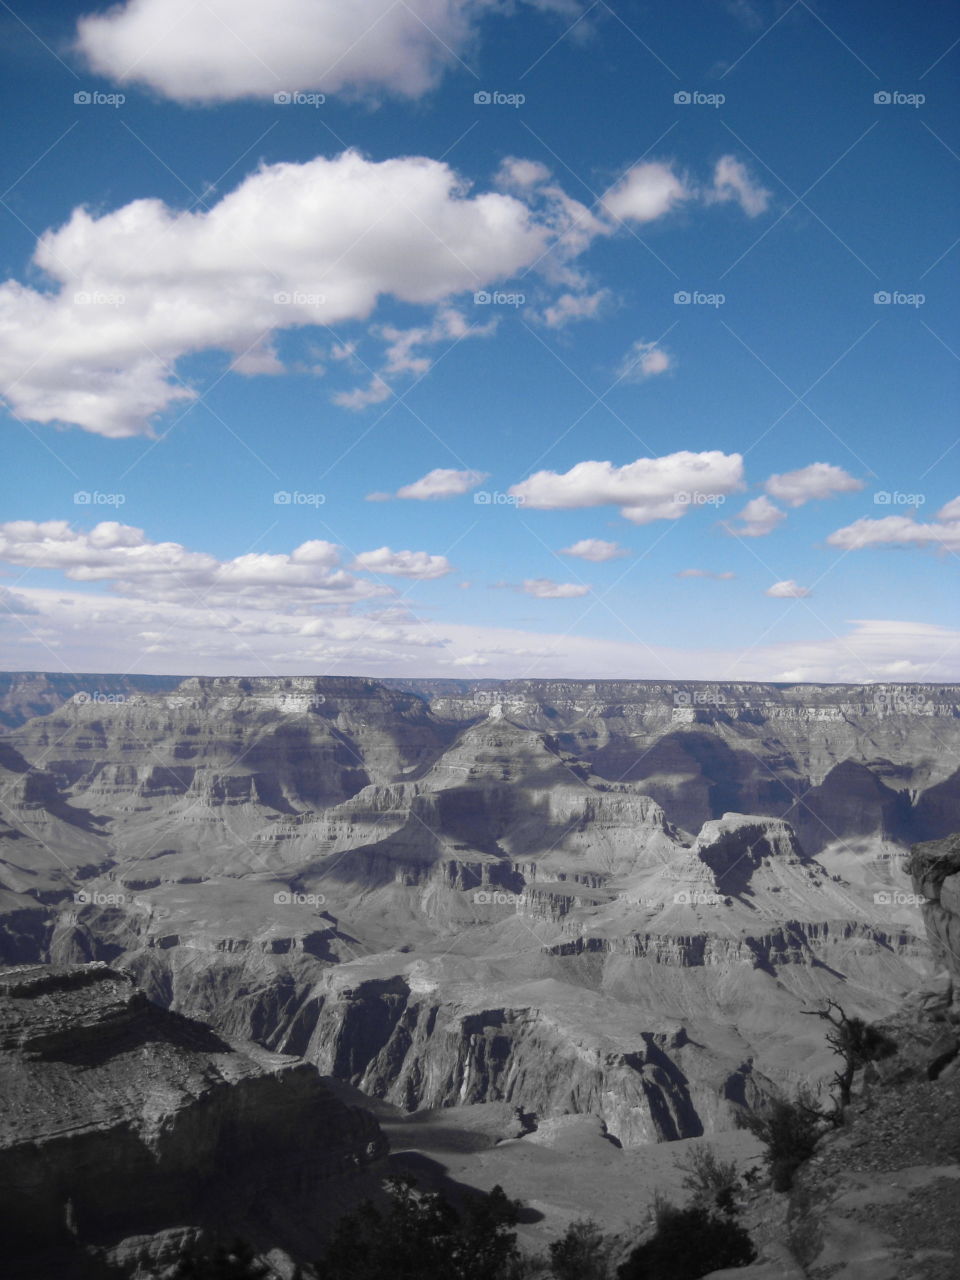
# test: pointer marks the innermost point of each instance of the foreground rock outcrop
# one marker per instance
(123, 1121)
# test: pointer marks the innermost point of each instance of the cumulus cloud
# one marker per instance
(645, 490)
(818, 480)
(573, 306)
(902, 531)
(644, 360)
(596, 550)
(787, 590)
(12, 602)
(125, 556)
(227, 49)
(758, 518)
(403, 564)
(547, 589)
(705, 573)
(442, 482)
(293, 245)
(732, 181)
(405, 354)
(646, 192)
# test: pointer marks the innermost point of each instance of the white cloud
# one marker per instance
(403, 564)
(902, 531)
(644, 360)
(123, 555)
(705, 573)
(819, 480)
(572, 306)
(441, 483)
(107, 633)
(787, 590)
(12, 602)
(546, 589)
(758, 518)
(731, 181)
(404, 353)
(293, 245)
(645, 490)
(646, 192)
(596, 550)
(227, 49)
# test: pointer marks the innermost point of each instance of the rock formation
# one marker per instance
(122, 1120)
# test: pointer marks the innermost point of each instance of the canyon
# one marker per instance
(611, 898)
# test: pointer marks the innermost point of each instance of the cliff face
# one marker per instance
(481, 866)
(935, 869)
(121, 1119)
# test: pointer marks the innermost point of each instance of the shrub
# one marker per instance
(688, 1244)
(422, 1237)
(713, 1182)
(582, 1254)
(789, 1130)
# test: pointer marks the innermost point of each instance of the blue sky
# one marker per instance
(213, 296)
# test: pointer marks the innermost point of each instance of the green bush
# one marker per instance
(688, 1244)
